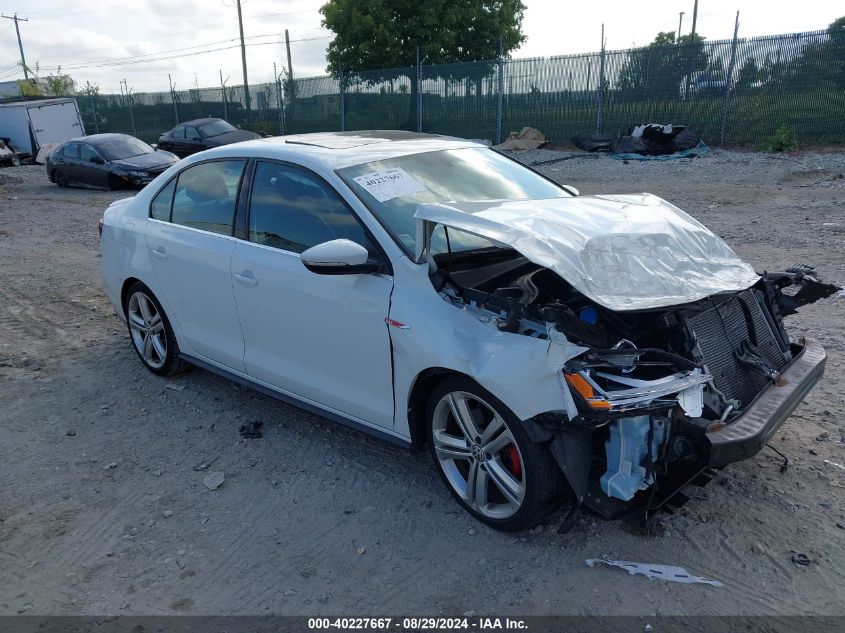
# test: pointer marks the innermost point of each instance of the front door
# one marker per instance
(320, 337)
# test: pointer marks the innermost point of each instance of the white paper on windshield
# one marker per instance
(390, 184)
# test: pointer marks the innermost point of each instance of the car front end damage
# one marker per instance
(658, 394)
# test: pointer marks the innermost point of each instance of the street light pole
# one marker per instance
(20, 45)
(680, 24)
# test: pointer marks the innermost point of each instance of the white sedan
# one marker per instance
(429, 290)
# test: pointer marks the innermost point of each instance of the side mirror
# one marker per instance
(338, 257)
(155, 147)
(97, 160)
(571, 189)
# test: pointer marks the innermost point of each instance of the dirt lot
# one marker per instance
(103, 511)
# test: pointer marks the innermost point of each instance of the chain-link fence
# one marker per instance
(735, 91)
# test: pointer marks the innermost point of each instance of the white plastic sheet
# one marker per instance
(656, 572)
(626, 252)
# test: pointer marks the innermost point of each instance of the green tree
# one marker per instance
(375, 35)
(659, 68)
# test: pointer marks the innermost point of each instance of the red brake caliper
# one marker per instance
(514, 465)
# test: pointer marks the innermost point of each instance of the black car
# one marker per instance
(106, 161)
(194, 136)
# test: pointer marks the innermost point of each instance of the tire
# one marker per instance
(516, 480)
(150, 332)
(59, 178)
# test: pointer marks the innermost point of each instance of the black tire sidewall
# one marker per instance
(540, 470)
(171, 363)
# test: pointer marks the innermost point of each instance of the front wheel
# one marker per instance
(151, 333)
(486, 458)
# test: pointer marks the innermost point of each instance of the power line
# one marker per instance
(158, 59)
(144, 55)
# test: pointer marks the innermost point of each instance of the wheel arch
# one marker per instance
(423, 385)
(124, 291)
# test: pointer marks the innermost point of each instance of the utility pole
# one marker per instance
(680, 24)
(20, 45)
(243, 55)
(694, 18)
(290, 64)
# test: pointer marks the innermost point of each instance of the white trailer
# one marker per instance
(33, 124)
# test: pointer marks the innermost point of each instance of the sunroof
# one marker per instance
(343, 140)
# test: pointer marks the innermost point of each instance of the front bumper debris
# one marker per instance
(749, 433)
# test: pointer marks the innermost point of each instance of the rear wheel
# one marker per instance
(59, 178)
(151, 333)
(485, 457)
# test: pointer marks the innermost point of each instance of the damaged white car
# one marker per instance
(544, 345)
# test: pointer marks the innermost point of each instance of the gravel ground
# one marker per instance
(103, 508)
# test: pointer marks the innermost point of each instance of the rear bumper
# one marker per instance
(748, 434)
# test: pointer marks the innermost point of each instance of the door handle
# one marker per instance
(159, 252)
(246, 279)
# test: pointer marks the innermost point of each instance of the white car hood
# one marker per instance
(625, 252)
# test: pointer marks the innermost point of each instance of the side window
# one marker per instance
(205, 196)
(293, 211)
(178, 132)
(71, 150)
(160, 206)
(86, 152)
(191, 132)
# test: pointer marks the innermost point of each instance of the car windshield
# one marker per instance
(393, 188)
(121, 148)
(215, 128)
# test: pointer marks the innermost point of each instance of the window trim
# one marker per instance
(246, 160)
(93, 149)
(386, 265)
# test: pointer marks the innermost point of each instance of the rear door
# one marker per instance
(321, 337)
(67, 161)
(190, 240)
(55, 122)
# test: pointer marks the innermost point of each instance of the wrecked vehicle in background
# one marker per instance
(431, 291)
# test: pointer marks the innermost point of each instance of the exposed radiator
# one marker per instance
(720, 331)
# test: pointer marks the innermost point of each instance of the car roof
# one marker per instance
(343, 149)
(198, 121)
(93, 139)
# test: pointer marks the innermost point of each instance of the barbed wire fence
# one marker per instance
(736, 91)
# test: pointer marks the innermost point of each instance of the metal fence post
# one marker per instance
(223, 92)
(94, 107)
(279, 100)
(173, 99)
(729, 83)
(600, 97)
(342, 101)
(132, 115)
(499, 91)
(419, 92)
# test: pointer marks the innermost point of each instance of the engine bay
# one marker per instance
(652, 382)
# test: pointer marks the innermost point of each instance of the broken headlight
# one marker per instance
(626, 380)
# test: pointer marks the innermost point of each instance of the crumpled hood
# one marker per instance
(625, 252)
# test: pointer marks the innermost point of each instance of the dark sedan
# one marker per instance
(194, 136)
(106, 161)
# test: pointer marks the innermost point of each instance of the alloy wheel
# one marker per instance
(147, 330)
(478, 455)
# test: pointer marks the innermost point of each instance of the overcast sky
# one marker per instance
(104, 41)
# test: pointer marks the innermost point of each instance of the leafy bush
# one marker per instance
(783, 140)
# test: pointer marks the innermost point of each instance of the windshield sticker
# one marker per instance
(390, 184)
